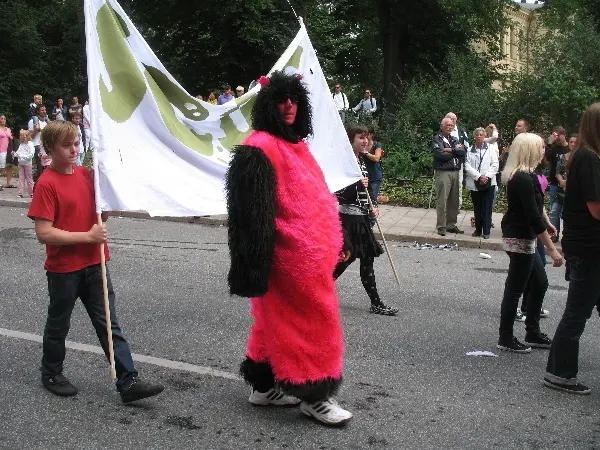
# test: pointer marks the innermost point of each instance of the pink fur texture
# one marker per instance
(297, 327)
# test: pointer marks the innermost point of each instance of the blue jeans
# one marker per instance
(375, 186)
(556, 207)
(64, 289)
(584, 292)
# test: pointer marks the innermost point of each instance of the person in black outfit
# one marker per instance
(358, 235)
(581, 245)
(525, 219)
(557, 147)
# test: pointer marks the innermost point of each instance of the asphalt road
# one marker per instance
(407, 379)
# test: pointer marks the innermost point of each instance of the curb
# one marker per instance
(222, 221)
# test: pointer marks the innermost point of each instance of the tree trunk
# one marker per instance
(395, 40)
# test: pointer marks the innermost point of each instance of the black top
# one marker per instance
(581, 235)
(524, 217)
(356, 194)
(553, 154)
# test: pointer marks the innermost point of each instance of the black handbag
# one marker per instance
(482, 186)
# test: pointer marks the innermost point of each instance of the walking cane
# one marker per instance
(383, 238)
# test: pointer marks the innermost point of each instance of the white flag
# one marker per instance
(161, 150)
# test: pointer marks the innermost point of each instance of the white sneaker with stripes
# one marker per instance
(326, 411)
(272, 397)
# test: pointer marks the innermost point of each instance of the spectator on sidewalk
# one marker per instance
(37, 101)
(581, 246)
(74, 108)
(368, 104)
(239, 91)
(340, 101)
(226, 96)
(462, 137)
(481, 166)
(59, 111)
(87, 130)
(212, 99)
(36, 125)
(525, 219)
(561, 167)
(6, 138)
(372, 160)
(81, 135)
(25, 155)
(557, 147)
(448, 159)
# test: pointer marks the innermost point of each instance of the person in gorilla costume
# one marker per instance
(285, 239)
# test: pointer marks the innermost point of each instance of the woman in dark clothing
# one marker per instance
(358, 235)
(524, 221)
(372, 160)
(581, 245)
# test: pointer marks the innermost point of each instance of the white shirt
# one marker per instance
(86, 116)
(480, 162)
(367, 105)
(492, 143)
(37, 140)
(340, 101)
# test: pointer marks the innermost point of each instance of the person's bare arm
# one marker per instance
(594, 208)
(48, 234)
(375, 156)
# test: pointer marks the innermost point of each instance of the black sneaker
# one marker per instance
(576, 388)
(139, 390)
(441, 232)
(59, 385)
(455, 230)
(538, 340)
(513, 346)
(476, 234)
(384, 310)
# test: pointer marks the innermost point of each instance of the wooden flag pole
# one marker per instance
(383, 239)
(111, 350)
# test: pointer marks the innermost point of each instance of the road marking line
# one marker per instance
(161, 362)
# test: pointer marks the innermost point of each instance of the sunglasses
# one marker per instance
(282, 98)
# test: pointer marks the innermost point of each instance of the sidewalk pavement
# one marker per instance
(397, 223)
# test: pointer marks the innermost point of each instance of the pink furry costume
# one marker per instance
(284, 239)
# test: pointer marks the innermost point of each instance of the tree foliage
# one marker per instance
(42, 53)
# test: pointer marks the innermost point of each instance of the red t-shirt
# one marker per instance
(67, 201)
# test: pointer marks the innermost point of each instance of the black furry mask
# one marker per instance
(266, 116)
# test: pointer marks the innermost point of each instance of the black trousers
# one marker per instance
(483, 202)
(367, 276)
(584, 292)
(523, 268)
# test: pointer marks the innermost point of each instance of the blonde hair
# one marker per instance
(24, 134)
(36, 96)
(526, 153)
(56, 131)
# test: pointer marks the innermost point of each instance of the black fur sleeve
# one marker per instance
(250, 186)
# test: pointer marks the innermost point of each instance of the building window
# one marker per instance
(513, 43)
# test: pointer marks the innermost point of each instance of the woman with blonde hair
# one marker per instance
(524, 221)
(581, 245)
